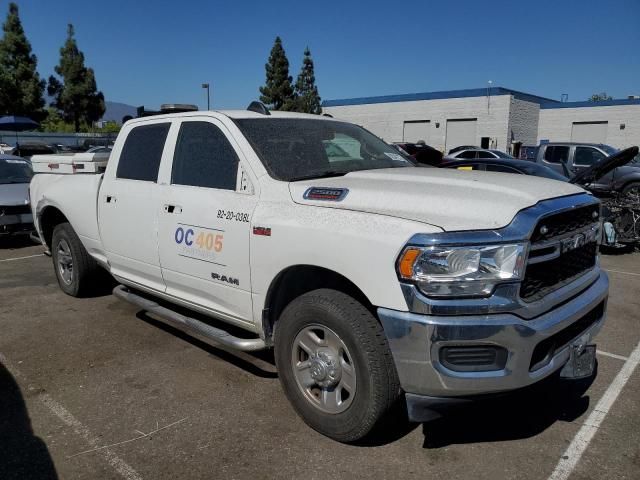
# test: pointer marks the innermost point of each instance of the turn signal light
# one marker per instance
(407, 260)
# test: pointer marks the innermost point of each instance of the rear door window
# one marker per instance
(484, 154)
(556, 154)
(468, 154)
(142, 152)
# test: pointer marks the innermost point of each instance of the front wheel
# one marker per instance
(335, 365)
(75, 268)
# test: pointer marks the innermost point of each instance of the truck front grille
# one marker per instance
(14, 210)
(551, 265)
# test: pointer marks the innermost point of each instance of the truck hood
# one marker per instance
(450, 199)
(14, 194)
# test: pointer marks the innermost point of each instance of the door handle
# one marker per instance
(110, 199)
(172, 209)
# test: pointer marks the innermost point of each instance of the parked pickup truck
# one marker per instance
(577, 157)
(375, 281)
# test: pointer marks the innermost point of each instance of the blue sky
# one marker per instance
(147, 52)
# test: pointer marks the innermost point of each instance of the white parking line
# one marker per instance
(21, 258)
(623, 273)
(612, 355)
(580, 442)
(119, 465)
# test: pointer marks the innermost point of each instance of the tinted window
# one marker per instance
(467, 154)
(204, 157)
(485, 154)
(15, 170)
(142, 151)
(293, 149)
(501, 168)
(587, 156)
(556, 154)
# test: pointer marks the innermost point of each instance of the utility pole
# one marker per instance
(206, 86)
(489, 95)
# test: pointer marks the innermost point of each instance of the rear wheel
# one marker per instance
(335, 365)
(75, 269)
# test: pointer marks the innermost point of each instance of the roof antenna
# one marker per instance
(258, 107)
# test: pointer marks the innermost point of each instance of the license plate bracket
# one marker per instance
(582, 362)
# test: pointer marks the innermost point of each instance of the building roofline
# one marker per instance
(602, 103)
(441, 95)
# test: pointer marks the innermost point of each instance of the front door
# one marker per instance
(128, 206)
(204, 223)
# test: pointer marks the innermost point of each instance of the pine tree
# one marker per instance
(77, 96)
(21, 89)
(277, 92)
(306, 92)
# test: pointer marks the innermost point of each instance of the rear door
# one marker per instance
(205, 220)
(128, 205)
(585, 157)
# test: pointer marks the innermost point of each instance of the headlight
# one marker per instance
(462, 271)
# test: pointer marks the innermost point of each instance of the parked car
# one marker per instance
(15, 210)
(421, 153)
(99, 150)
(572, 158)
(28, 149)
(471, 153)
(505, 165)
(371, 278)
(462, 147)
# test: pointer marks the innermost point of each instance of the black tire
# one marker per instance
(377, 385)
(84, 268)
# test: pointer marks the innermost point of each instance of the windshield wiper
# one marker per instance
(323, 174)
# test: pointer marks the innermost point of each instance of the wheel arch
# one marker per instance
(48, 219)
(297, 280)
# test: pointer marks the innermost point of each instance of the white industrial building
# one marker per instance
(493, 117)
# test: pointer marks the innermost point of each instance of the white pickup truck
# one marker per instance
(374, 280)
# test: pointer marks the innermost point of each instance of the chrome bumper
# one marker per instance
(416, 339)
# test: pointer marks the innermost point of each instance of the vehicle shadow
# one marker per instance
(22, 454)
(15, 242)
(519, 415)
(260, 363)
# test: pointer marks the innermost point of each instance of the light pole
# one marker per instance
(489, 95)
(206, 85)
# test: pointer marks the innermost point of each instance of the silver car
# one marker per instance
(15, 211)
(472, 153)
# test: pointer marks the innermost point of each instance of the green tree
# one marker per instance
(277, 93)
(598, 97)
(21, 90)
(76, 97)
(306, 94)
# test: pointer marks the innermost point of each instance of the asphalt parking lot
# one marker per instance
(93, 388)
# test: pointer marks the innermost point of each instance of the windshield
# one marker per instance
(545, 172)
(609, 149)
(295, 149)
(15, 171)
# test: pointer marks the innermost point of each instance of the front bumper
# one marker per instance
(416, 340)
(19, 223)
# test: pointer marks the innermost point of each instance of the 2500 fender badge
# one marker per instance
(224, 278)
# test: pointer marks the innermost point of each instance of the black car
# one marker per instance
(505, 165)
(421, 153)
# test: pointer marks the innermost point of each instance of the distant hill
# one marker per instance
(116, 111)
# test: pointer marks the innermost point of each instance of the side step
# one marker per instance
(188, 324)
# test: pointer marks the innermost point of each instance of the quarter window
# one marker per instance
(142, 152)
(587, 156)
(204, 157)
(556, 154)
